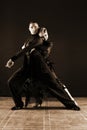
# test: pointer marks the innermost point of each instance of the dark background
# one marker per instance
(66, 22)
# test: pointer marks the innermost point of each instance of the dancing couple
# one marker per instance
(37, 74)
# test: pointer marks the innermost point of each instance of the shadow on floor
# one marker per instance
(45, 108)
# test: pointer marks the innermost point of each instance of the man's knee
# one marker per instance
(10, 82)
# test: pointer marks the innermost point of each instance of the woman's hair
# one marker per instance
(43, 33)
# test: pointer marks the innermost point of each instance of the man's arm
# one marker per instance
(32, 45)
(37, 41)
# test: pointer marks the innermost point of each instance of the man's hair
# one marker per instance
(33, 27)
(34, 23)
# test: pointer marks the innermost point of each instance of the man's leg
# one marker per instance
(47, 77)
(15, 83)
(65, 97)
(60, 92)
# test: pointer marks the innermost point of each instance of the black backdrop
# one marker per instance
(66, 22)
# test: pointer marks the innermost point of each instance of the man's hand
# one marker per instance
(9, 63)
(25, 45)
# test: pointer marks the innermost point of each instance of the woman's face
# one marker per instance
(33, 28)
(43, 33)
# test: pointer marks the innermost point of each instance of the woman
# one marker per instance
(42, 72)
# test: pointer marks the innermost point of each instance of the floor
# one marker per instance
(51, 116)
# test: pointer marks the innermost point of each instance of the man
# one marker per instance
(17, 80)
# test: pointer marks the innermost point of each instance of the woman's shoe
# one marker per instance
(38, 103)
(27, 100)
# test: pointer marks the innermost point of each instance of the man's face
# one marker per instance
(33, 28)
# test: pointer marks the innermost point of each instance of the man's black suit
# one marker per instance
(17, 80)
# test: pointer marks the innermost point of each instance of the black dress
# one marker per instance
(43, 73)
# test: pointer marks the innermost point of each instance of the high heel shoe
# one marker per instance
(38, 103)
(27, 100)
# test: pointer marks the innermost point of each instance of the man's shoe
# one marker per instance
(16, 107)
(76, 108)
